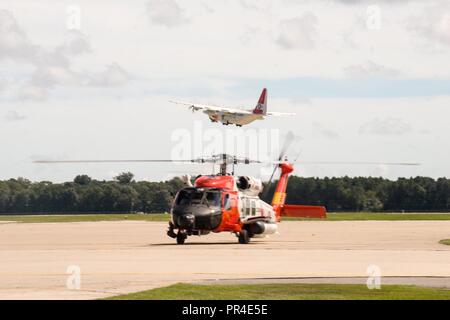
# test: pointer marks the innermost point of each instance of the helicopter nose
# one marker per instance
(187, 221)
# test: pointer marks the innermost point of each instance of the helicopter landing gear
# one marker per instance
(170, 231)
(243, 236)
(181, 237)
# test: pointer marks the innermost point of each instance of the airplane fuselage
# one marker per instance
(232, 118)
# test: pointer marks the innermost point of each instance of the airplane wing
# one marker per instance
(205, 107)
(280, 114)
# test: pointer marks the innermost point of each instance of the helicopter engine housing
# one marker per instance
(250, 185)
(263, 228)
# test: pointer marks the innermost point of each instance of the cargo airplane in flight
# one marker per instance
(238, 117)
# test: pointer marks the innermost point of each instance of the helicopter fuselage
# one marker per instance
(222, 203)
(225, 203)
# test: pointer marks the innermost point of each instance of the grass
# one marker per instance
(287, 292)
(84, 217)
(359, 216)
(445, 241)
(344, 216)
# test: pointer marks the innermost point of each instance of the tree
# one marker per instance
(127, 199)
(124, 178)
(82, 180)
(124, 194)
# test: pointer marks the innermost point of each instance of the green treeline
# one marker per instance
(85, 195)
(371, 194)
(123, 194)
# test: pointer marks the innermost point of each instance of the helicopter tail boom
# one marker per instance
(289, 210)
(301, 211)
(279, 196)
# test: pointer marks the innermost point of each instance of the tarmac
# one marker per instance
(89, 260)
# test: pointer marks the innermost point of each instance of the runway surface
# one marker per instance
(127, 256)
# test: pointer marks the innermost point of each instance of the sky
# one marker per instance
(368, 81)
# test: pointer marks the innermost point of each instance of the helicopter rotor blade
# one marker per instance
(358, 163)
(287, 143)
(269, 183)
(115, 161)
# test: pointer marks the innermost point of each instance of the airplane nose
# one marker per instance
(187, 221)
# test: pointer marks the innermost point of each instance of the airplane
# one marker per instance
(238, 117)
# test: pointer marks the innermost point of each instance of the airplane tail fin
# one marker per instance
(261, 107)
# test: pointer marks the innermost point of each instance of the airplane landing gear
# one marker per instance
(243, 236)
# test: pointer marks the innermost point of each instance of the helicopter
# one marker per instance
(226, 203)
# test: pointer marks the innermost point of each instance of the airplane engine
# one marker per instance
(262, 228)
(250, 185)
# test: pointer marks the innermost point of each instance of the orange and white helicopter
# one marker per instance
(227, 203)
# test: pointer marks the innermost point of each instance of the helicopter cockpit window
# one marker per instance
(212, 198)
(198, 197)
(227, 202)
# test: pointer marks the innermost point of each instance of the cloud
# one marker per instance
(14, 116)
(301, 100)
(32, 92)
(49, 76)
(3, 85)
(166, 13)
(76, 43)
(249, 5)
(114, 75)
(324, 132)
(387, 126)
(250, 34)
(365, 2)
(260, 5)
(370, 68)
(433, 24)
(298, 33)
(46, 78)
(380, 170)
(52, 67)
(14, 44)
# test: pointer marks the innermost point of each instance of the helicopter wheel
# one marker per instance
(244, 237)
(181, 237)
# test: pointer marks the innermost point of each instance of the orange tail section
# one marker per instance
(288, 210)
